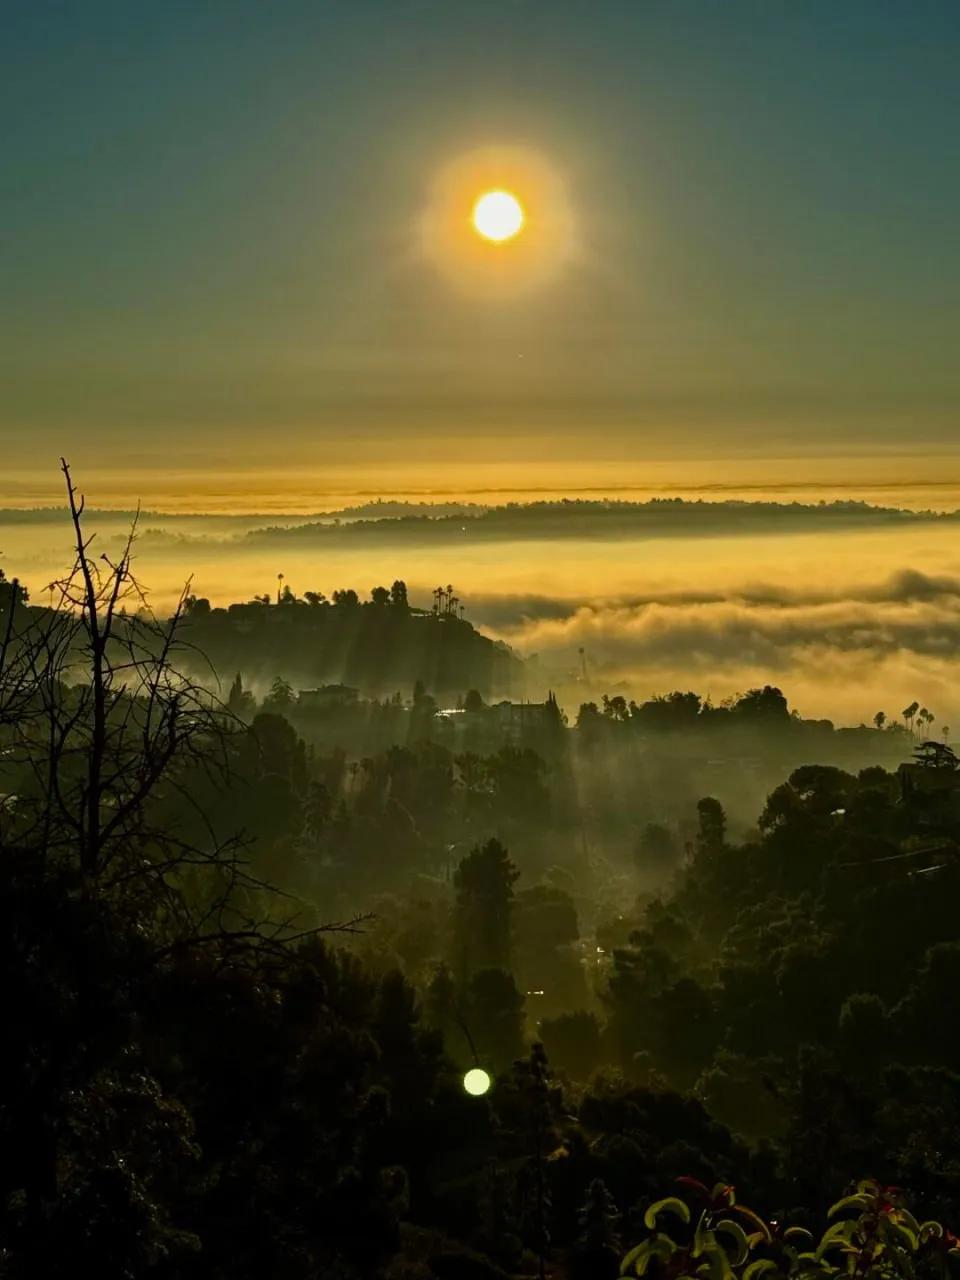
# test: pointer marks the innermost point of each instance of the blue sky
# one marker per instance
(210, 213)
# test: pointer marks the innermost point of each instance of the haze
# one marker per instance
(213, 261)
(480, 639)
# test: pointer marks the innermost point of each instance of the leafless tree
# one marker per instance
(97, 721)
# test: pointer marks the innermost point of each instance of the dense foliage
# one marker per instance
(203, 1076)
(870, 1232)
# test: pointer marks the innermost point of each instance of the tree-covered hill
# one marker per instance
(601, 519)
(379, 646)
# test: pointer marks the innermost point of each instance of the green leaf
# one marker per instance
(702, 1236)
(671, 1204)
(662, 1245)
(741, 1245)
(717, 1264)
(907, 1219)
(754, 1219)
(637, 1252)
(834, 1237)
(800, 1234)
(758, 1268)
(858, 1201)
(907, 1237)
(641, 1255)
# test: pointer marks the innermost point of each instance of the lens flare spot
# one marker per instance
(476, 1082)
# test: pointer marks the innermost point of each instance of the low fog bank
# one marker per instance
(854, 611)
(846, 651)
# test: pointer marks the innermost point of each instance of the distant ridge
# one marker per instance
(595, 518)
(560, 517)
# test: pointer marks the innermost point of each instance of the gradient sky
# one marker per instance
(211, 250)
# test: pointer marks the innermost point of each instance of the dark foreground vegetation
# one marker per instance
(245, 974)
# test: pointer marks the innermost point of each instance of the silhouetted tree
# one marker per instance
(573, 1043)
(615, 708)
(656, 851)
(440, 1007)
(908, 714)
(498, 1234)
(492, 1013)
(281, 696)
(538, 1204)
(712, 825)
(11, 592)
(240, 702)
(484, 883)
(473, 702)
(766, 704)
(597, 1251)
(545, 937)
(936, 755)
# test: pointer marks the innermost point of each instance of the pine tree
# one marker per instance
(597, 1252)
(440, 1004)
(484, 883)
(498, 1236)
(240, 703)
(538, 1202)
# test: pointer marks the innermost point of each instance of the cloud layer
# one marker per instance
(840, 650)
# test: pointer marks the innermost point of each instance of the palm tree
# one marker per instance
(924, 718)
(908, 713)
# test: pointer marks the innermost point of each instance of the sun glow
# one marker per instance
(498, 216)
(498, 222)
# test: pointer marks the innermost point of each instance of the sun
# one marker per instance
(498, 216)
(498, 222)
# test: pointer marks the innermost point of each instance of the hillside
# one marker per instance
(378, 647)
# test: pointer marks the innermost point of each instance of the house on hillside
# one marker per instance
(327, 697)
(517, 720)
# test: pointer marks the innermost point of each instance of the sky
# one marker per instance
(230, 242)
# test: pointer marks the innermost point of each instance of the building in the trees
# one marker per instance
(517, 720)
(328, 696)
